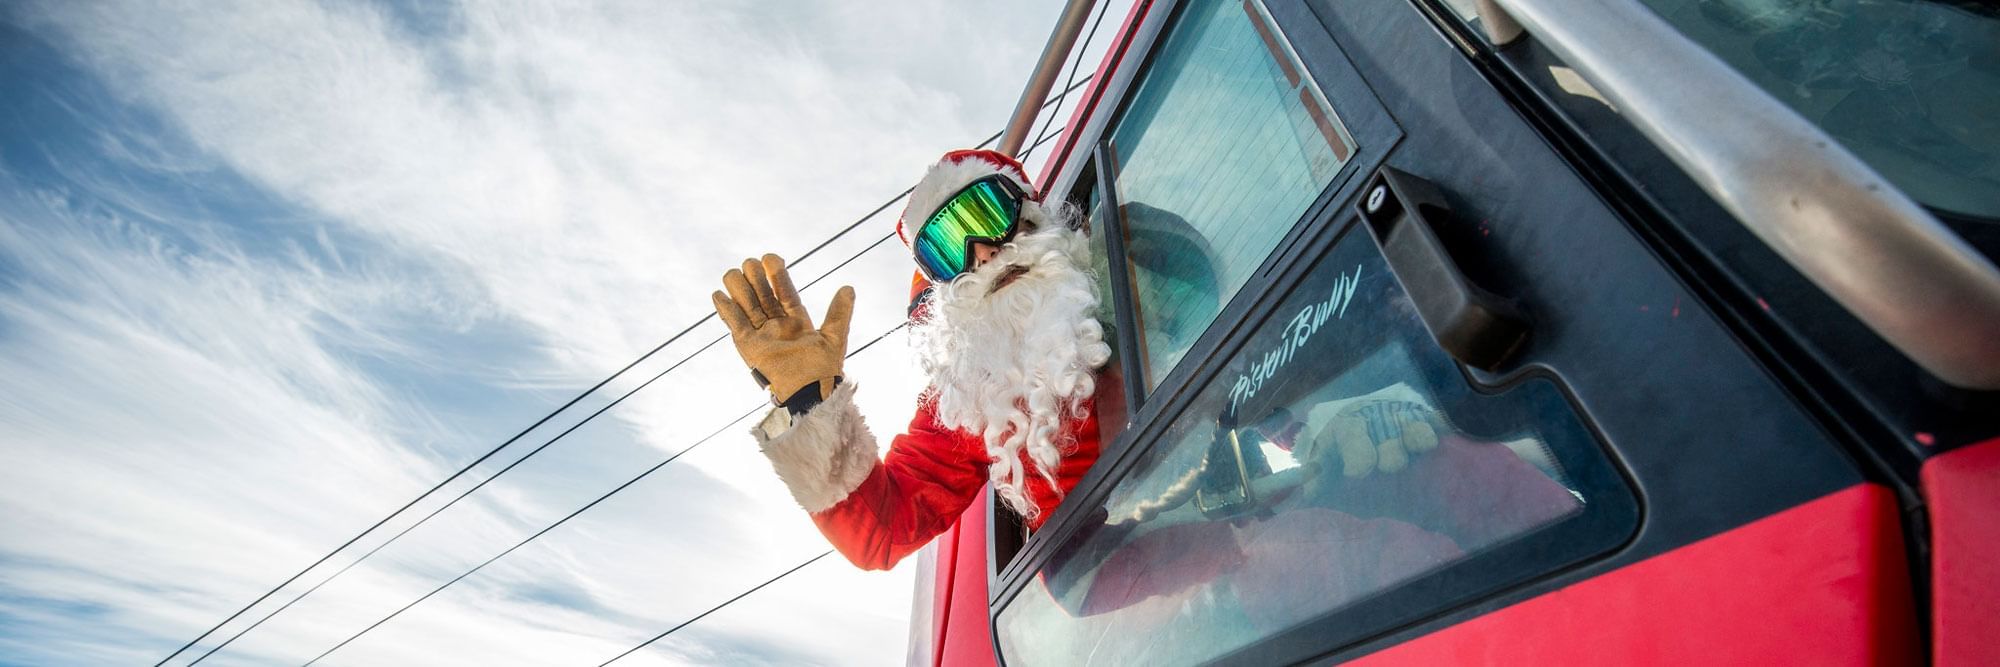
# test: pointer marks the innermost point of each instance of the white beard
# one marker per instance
(1012, 365)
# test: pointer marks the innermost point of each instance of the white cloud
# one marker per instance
(513, 195)
(564, 153)
(141, 429)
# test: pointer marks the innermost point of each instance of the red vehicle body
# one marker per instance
(1782, 481)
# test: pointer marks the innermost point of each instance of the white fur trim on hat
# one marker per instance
(945, 179)
(822, 455)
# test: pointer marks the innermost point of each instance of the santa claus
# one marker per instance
(1008, 337)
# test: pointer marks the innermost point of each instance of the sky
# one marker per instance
(269, 269)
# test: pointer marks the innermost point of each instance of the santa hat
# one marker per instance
(952, 173)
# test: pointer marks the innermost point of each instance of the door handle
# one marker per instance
(1472, 325)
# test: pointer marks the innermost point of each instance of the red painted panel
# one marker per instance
(968, 637)
(1962, 488)
(947, 561)
(1823, 583)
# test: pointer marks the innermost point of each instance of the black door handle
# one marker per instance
(1470, 323)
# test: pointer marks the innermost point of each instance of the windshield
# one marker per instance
(1911, 86)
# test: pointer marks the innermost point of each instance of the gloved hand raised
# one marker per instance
(774, 334)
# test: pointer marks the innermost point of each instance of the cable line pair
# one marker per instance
(461, 472)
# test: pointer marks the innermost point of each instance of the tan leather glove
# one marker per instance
(774, 334)
(1379, 431)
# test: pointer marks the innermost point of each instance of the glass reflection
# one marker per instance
(1338, 454)
(1225, 143)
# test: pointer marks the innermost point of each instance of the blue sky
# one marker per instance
(269, 269)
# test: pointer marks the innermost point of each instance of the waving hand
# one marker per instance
(775, 335)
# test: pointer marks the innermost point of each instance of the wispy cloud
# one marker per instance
(267, 269)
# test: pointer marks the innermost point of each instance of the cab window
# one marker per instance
(1224, 144)
(1336, 458)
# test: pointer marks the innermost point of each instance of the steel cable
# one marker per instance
(586, 507)
(538, 423)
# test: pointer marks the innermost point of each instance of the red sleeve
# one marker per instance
(927, 479)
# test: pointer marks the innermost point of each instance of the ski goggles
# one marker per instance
(988, 210)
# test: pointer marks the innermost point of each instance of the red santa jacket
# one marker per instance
(876, 511)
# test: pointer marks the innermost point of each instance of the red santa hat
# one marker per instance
(952, 173)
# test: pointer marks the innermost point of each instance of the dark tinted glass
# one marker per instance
(1338, 456)
(1911, 86)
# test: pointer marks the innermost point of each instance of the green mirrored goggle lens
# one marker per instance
(983, 211)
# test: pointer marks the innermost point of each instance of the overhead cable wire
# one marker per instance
(516, 462)
(586, 507)
(538, 423)
(503, 445)
(406, 530)
(525, 432)
(1040, 136)
(531, 453)
(620, 487)
(1069, 84)
(716, 608)
(426, 494)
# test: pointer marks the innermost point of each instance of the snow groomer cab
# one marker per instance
(1682, 316)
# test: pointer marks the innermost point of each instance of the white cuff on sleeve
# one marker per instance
(822, 455)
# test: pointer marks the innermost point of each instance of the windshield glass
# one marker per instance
(1911, 86)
